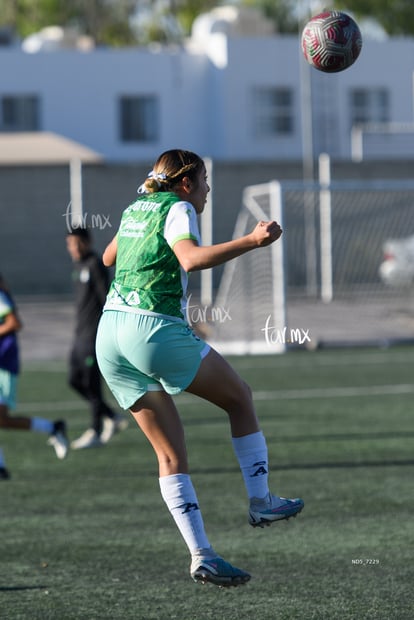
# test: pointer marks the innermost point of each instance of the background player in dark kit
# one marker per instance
(91, 280)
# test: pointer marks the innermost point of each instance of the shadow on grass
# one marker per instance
(17, 588)
(346, 465)
(343, 437)
(322, 465)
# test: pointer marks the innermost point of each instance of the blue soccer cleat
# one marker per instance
(264, 512)
(217, 571)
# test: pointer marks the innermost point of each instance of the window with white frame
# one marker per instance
(139, 118)
(19, 113)
(370, 105)
(273, 114)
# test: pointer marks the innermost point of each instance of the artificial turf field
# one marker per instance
(90, 538)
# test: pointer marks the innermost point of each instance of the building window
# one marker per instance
(272, 111)
(370, 105)
(19, 113)
(139, 118)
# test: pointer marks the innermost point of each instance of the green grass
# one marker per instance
(90, 538)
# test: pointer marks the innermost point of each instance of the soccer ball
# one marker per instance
(331, 41)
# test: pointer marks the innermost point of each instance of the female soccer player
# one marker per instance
(10, 324)
(147, 352)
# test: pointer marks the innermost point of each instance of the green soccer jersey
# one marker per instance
(148, 276)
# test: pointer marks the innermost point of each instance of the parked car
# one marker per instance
(397, 267)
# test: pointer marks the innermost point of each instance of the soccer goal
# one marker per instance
(248, 316)
(368, 139)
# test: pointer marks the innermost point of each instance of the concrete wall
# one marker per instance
(34, 205)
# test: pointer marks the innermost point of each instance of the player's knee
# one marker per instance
(239, 398)
(245, 390)
(4, 416)
(75, 384)
(248, 391)
(171, 464)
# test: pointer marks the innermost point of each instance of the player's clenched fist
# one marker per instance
(266, 233)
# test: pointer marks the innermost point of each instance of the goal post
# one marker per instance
(249, 308)
(368, 139)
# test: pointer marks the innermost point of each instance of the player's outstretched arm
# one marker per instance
(193, 257)
(109, 255)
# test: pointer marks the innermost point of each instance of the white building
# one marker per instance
(235, 92)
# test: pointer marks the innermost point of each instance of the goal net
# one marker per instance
(248, 315)
(325, 282)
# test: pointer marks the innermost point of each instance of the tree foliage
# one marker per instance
(107, 22)
(395, 16)
(280, 12)
(188, 10)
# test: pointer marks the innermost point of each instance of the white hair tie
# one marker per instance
(157, 176)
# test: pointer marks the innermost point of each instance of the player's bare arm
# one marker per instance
(109, 255)
(100, 281)
(10, 324)
(193, 257)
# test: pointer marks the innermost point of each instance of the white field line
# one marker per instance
(327, 359)
(267, 395)
(252, 362)
(336, 392)
(55, 406)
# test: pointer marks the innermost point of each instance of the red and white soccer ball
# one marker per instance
(331, 41)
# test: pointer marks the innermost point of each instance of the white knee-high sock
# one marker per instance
(251, 452)
(178, 493)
